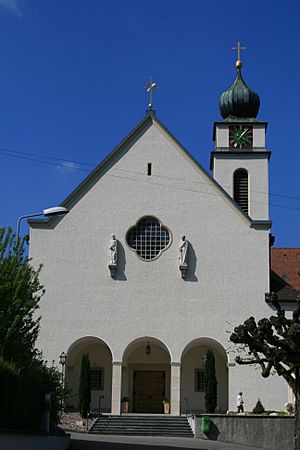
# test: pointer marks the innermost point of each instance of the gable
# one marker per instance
(172, 167)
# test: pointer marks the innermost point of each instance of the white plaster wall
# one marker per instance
(192, 360)
(100, 357)
(272, 391)
(259, 136)
(228, 260)
(222, 136)
(257, 167)
(291, 396)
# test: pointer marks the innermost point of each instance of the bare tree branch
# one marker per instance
(272, 343)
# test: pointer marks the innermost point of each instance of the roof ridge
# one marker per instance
(285, 248)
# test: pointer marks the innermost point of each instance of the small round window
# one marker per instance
(148, 238)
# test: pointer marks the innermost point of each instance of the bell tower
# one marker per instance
(240, 159)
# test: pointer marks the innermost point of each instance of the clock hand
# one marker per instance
(245, 131)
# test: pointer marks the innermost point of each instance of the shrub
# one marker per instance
(23, 390)
(290, 408)
(259, 408)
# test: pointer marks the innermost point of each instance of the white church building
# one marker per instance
(157, 261)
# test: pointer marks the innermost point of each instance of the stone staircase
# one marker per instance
(143, 425)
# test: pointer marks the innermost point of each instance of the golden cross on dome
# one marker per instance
(239, 48)
(149, 88)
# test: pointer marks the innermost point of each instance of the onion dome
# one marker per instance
(239, 100)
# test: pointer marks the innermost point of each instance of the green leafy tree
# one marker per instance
(210, 383)
(274, 345)
(20, 293)
(85, 386)
(24, 376)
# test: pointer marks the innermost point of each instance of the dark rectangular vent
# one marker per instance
(241, 189)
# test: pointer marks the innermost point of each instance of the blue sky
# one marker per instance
(72, 86)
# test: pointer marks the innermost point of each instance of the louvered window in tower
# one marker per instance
(240, 189)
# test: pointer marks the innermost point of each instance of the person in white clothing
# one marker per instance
(240, 403)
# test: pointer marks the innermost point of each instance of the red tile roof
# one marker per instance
(285, 262)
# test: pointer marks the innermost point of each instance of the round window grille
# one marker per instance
(148, 238)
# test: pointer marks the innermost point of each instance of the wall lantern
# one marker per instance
(62, 361)
(148, 349)
(62, 358)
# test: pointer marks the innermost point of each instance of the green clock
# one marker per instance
(240, 136)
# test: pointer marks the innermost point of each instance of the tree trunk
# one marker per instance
(297, 411)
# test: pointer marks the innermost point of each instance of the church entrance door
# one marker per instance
(148, 391)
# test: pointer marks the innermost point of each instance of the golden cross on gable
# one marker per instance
(239, 48)
(149, 88)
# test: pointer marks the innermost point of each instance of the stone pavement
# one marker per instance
(82, 441)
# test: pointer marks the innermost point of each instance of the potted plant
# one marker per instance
(166, 404)
(125, 405)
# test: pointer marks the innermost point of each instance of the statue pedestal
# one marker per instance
(183, 269)
(112, 269)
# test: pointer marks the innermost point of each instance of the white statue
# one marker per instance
(113, 250)
(183, 247)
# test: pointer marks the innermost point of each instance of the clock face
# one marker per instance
(240, 136)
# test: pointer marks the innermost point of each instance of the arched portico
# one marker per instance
(146, 375)
(192, 375)
(101, 372)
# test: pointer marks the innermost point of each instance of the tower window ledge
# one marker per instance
(240, 150)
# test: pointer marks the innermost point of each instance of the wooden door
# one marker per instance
(148, 391)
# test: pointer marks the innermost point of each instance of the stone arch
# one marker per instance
(101, 372)
(146, 374)
(143, 340)
(206, 341)
(192, 373)
(84, 340)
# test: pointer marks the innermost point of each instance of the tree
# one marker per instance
(85, 386)
(210, 382)
(274, 344)
(24, 376)
(20, 293)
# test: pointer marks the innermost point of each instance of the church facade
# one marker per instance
(157, 261)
